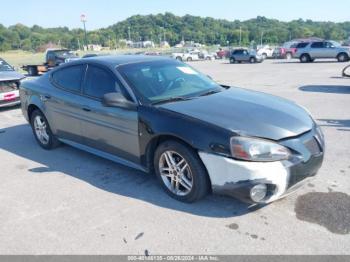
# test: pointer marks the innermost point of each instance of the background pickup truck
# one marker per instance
(53, 58)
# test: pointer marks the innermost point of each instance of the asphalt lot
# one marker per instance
(70, 202)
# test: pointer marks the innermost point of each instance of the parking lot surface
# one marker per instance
(67, 201)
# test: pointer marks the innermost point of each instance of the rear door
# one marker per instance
(63, 106)
(109, 129)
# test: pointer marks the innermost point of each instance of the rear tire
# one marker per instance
(232, 60)
(42, 131)
(288, 56)
(189, 59)
(192, 184)
(343, 57)
(264, 56)
(305, 58)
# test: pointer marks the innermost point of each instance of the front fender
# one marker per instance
(156, 122)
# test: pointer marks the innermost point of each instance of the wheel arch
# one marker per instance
(33, 104)
(159, 139)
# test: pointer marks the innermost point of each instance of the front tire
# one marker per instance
(252, 60)
(181, 172)
(232, 60)
(42, 131)
(343, 57)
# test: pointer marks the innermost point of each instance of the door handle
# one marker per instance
(86, 109)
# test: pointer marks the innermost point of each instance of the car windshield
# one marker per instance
(336, 44)
(64, 53)
(161, 81)
(5, 67)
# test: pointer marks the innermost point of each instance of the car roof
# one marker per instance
(115, 60)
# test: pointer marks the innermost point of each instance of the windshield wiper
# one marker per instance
(171, 99)
(211, 92)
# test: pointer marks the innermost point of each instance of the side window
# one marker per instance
(69, 78)
(99, 82)
(329, 45)
(317, 45)
(301, 45)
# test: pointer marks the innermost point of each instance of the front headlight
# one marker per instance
(259, 150)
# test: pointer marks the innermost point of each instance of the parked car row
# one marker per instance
(194, 55)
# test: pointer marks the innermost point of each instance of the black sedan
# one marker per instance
(162, 116)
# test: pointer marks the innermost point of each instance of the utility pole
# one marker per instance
(129, 33)
(261, 38)
(83, 20)
(240, 36)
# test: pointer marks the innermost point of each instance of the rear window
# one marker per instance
(69, 78)
(301, 45)
(5, 66)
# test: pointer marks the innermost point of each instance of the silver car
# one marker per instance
(308, 52)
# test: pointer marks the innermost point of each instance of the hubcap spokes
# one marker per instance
(40, 130)
(175, 173)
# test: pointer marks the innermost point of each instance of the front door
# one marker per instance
(109, 129)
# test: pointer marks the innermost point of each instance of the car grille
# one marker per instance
(313, 146)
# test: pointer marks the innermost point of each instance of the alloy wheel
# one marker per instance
(40, 129)
(176, 173)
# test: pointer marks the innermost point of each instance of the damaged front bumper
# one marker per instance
(237, 178)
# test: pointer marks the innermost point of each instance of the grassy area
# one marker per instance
(19, 58)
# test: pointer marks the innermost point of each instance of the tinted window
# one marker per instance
(301, 45)
(238, 52)
(317, 45)
(99, 82)
(69, 78)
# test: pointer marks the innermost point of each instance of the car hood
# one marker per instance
(10, 75)
(247, 113)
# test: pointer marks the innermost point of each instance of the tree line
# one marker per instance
(173, 29)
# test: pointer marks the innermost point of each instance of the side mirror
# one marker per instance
(117, 100)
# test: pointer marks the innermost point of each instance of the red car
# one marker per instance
(222, 54)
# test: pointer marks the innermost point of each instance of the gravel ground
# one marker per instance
(70, 202)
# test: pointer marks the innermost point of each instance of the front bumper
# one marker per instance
(236, 178)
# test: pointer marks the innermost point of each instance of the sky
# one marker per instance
(102, 13)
